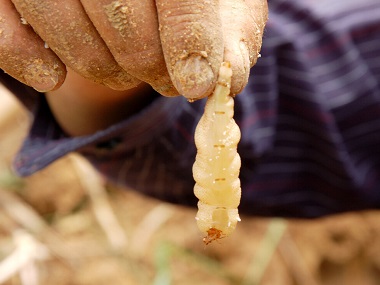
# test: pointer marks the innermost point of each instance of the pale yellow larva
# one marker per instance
(217, 164)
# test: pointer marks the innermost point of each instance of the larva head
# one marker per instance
(218, 218)
(212, 234)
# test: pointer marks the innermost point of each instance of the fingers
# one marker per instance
(68, 31)
(130, 30)
(23, 55)
(243, 27)
(192, 43)
(194, 37)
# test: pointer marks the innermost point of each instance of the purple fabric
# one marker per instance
(310, 121)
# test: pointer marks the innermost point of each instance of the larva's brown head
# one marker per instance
(213, 234)
(217, 219)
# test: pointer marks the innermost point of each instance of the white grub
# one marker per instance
(217, 165)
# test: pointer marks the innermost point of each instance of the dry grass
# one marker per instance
(65, 225)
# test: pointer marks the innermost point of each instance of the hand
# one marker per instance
(174, 45)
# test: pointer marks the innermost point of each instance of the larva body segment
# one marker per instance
(217, 164)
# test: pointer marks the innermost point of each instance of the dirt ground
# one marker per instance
(65, 225)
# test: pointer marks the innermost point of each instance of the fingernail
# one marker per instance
(41, 77)
(193, 77)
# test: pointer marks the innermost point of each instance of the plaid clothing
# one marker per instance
(310, 121)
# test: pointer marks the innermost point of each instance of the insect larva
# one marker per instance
(217, 164)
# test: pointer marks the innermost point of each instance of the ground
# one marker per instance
(65, 225)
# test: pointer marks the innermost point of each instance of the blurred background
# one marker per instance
(66, 225)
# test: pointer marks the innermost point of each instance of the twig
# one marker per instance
(93, 185)
(21, 212)
(147, 227)
(29, 219)
(23, 259)
(294, 260)
(275, 231)
(166, 252)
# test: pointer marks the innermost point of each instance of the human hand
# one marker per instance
(172, 45)
(187, 39)
(50, 36)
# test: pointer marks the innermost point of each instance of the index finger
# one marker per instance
(192, 43)
(65, 26)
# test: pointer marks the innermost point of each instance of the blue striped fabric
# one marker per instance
(310, 120)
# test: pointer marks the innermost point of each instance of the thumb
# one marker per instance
(243, 27)
(192, 43)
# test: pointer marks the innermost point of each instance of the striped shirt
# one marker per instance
(309, 116)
